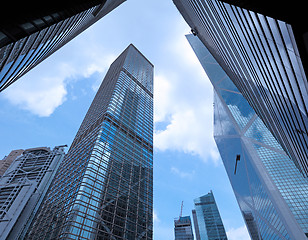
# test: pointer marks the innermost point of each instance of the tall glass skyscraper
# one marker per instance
(183, 229)
(270, 190)
(104, 188)
(207, 220)
(263, 56)
(38, 30)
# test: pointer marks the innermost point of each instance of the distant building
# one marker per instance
(7, 160)
(32, 31)
(23, 187)
(271, 191)
(197, 233)
(207, 220)
(183, 229)
(104, 189)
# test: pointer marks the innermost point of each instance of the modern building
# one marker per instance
(207, 220)
(265, 55)
(23, 187)
(35, 31)
(104, 188)
(7, 160)
(197, 233)
(183, 229)
(270, 189)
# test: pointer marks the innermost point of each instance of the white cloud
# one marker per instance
(162, 231)
(182, 48)
(155, 217)
(162, 98)
(182, 174)
(190, 131)
(44, 88)
(183, 99)
(240, 233)
(39, 97)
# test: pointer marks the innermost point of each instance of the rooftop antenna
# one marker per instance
(181, 210)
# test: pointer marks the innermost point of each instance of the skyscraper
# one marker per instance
(197, 233)
(23, 187)
(7, 160)
(270, 189)
(38, 30)
(104, 188)
(265, 57)
(183, 229)
(207, 220)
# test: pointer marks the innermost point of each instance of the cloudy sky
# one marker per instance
(46, 107)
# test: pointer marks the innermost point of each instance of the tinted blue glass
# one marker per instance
(208, 217)
(105, 187)
(261, 57)
(270, 190)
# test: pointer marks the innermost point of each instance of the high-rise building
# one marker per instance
(183, 229)
(207, 220)
(7, 160)
(270, 189)
(266, 58)
(197, 233)
(32, 34)
(104, 188)
(23, 187)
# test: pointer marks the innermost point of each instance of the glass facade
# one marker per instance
(271, 191)
(183, 229)
(43, 36)
(104, 188)
(261, 57)
(23, 187)
(208, 220)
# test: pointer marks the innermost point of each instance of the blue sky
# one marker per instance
(46, 107)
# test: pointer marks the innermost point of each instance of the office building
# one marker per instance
(183, 228)
(7, 160)
(207, 220)
(266, 58)
(35, 31)
(23, 187)
(104, 188)
(197, 233)
(270, 189)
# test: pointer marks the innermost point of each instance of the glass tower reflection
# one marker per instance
(104, 189)
(271, 191)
